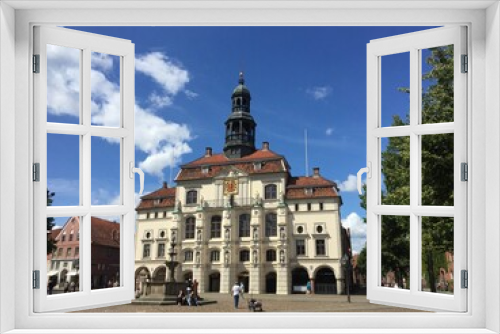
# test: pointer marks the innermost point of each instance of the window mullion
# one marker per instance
(85, 172)
(415, 92)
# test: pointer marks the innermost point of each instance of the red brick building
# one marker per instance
(63, 264)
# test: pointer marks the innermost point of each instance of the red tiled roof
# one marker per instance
(321, 187)
(299, 193)
(217, 159)
(308, 181)
(165, 195)
(271, 163)
(102, 232)
(54, 233)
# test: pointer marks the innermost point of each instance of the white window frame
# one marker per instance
(15, 39)
(376, 210)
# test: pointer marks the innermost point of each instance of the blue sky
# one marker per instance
(300, 78)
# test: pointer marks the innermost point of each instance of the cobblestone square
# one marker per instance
(271, 303)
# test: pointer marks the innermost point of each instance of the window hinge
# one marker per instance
(465, 279)
(36, 279)
(464, 171)
(465, 63)
(36, 172)
(36, 63)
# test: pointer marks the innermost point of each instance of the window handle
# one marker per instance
(133, 170)
(368, 171)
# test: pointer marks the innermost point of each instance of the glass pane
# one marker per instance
(105, 90)
(437, 254)
(63, 255)
(63, 84)
(395, 173)
(105, 171)
(105, 252)
(437, 169)
(395, 82)
(437, 84)
(63, 169)
(395, 257)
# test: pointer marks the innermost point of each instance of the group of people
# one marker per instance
(68, 286)
(190, 297)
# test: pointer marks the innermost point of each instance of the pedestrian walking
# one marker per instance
(308, 287)
(236, 290)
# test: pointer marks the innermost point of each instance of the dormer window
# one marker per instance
(257, 165)
(308, 191)
(205, 169)
(157, 202)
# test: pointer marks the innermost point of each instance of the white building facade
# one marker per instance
(241, 216)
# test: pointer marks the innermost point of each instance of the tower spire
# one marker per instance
(240, 125)
(241, 80)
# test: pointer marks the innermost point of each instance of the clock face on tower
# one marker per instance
(230, 187)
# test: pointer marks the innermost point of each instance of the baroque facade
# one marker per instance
(241, 216)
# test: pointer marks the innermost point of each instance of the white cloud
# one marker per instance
(154, 135)
(64, 187)
(63, 80)
(160, 101)
(319, 92)
(102, 61)
(329, 131)
(351, 184)
(158, 66)
(190, 94)
(358, 231)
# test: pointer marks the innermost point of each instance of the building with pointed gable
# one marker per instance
(241, 216)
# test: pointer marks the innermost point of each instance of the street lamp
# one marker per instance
(347, 267)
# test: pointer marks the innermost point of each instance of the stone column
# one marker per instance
(255, 271)
(340, 277)
(225, 273)
(283, 280)
(312, 285)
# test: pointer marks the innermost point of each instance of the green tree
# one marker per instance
(437, 175)
(50, 224)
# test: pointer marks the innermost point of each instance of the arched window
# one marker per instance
(270, 191)
(191, 197)
(244, 227)
(215, 226)
(271, 225)
(244, 255)
(189, 228)
(215, 256)
(188, 256)
(270, 255)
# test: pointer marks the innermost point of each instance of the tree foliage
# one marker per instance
(437, 176)
(50, 223)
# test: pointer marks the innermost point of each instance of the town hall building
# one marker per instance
(240, 215)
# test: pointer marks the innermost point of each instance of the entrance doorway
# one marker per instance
(214, 282)
(271, 282)
(325, 282)
(299, 280)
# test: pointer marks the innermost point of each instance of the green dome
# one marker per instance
(241, 90)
